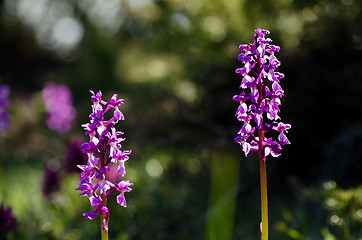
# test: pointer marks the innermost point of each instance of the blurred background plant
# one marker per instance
(341, 209)
(174, 62)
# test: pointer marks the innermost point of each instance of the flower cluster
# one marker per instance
(58, 104)
(258, 71)
(4, 105)
(103, 150)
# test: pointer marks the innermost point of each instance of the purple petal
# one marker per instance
(91, 215)
(242, 110)
(238, 139)
(103, 186)
(262, 32)
(118, 115)
(92, 161)
(281, 127)
(283, 139)
(274, 48)
(125, 186)
(121, 200)
(274, 62)
(93, 201)
(245, 47)
(121, 169)
(258, 118)
(277, 89)
(254, 94)
(246, 148)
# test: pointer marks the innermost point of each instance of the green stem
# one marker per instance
(263, 188)
(262, 165)
(104, 220)
(105, 234)
(264, 199)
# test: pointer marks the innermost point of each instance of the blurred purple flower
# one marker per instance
(74, 156)
(259, 76)
(7, 221)
(105, 169)
(51, 179)
(4, 106)
(58, 102)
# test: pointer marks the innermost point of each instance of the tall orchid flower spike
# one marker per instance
(104, 152)
(259, 108)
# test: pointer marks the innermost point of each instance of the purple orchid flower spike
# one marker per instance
(259, 108)
(104, 152)
(258, 71)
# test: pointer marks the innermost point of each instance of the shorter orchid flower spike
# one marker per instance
(104, 154)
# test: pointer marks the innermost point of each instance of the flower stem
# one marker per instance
(264, 199)
(104, 234)
(104, 220)
(263, 189)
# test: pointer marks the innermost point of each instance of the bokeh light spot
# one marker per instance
(154, 168)
(67, 32)
(215, 27)
(156, 68)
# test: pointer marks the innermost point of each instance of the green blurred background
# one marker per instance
(174, 63)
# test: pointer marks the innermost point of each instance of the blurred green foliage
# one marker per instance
(173, 61)
(344, 208)
(339, 209)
